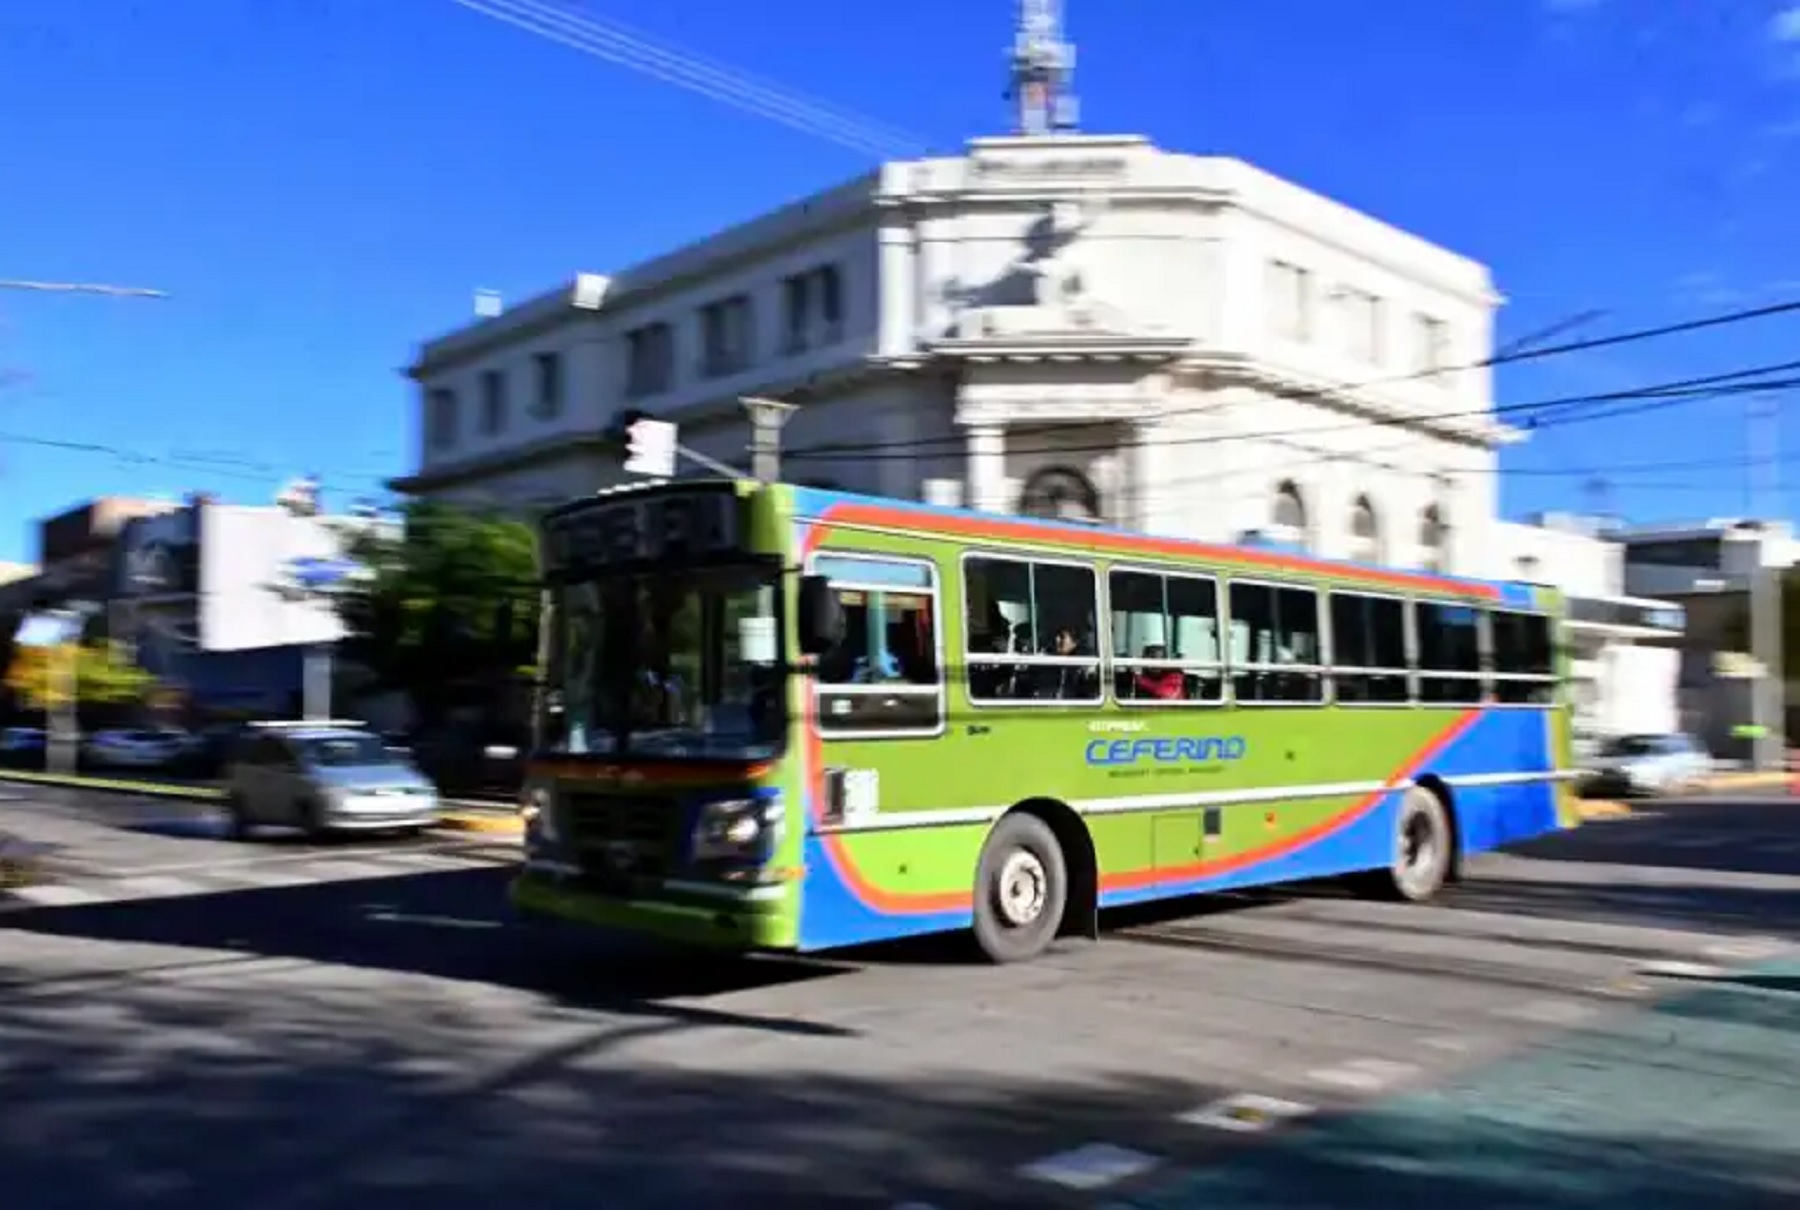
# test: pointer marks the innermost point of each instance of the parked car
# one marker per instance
(22, 746)
(139, 749)
(324, 777)
(1648, 764)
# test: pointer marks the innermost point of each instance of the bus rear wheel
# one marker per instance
(1424, 850)
(1021, 890)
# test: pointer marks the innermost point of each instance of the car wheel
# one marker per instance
(1021, 890)
(237, 818)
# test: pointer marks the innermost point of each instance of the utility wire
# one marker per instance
(619, 44)
(954, 442)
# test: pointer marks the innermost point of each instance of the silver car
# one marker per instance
(324, 778)
(1649, 764)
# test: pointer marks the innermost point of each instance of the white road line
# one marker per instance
(1451, 1043)
(1364, 1075)
(1094, 1166)
(1245, 1113)
(265, 860)
(1746, 949)
(1545, 1012)
(56, 895)
(153, 886)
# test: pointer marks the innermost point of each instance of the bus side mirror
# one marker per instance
(821, 620)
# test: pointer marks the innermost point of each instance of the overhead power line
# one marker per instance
(66, 287)
(951, 443)
(620, 44)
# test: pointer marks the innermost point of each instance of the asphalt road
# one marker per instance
(1600, 1018)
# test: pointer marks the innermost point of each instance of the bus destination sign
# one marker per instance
(609, 533)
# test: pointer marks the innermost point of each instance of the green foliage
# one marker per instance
(103, 676)
(449, 603)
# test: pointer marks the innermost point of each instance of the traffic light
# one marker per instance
(650, 444)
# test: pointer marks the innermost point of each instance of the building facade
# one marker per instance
(1069, 325)
(208, 598)
(1710, 568)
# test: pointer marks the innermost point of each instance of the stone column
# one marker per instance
(1146, 484)
(986, 445)
(896, 312)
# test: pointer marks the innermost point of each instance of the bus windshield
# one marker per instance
(666, 665)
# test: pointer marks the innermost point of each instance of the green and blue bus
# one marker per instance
(782, 718)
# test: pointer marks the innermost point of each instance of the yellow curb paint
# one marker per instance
(151, 789)
(1603, 809)
(482, 823)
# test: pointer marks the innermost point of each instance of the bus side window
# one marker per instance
(1165, 637)
(1524, 662)
(1368, 649)
(883, 678)
(1031, 631)
(1449, 654)
(1275, 654)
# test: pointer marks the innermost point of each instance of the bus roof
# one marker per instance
(849, 508)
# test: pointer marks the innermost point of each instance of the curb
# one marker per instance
(108, 785)
(1748, 781)
(1602, 808)
(490, 822)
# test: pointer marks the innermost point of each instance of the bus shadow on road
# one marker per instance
(448, 925)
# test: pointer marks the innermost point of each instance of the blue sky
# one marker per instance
(320, 183)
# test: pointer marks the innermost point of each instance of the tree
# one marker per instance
(449, 605)
(39, 675)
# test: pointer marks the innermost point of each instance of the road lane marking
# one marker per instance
(54, 895)
(1246, 1113)
(1094, 1166)
(1681, 970)
(1364, 1075)
(1545, 1012)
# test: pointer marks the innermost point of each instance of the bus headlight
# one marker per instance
(739, 828)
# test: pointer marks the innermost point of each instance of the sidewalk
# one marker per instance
(1692, 1102)
(460, 814)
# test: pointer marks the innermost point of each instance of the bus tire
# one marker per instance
(1021, 889)
(1424, 852)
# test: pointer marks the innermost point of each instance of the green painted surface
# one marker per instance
(1692, 1103)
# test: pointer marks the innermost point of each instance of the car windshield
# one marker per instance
(668, 664)
(344, 751)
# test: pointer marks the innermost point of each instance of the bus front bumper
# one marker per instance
(689, 914)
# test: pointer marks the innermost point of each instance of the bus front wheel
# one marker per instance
(1021, 889)
(1424, 850)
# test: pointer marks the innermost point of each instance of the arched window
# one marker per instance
(1433, 537)
(1365, 532)
(1288, 516)
(1060, 493)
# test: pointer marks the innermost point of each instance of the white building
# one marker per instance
(1625, 664)
(1176, 343)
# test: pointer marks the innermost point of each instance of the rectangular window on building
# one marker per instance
(727, 336)
(883, 678)
(441, 418)
(796, 312)
(1524, 668)
(1031, 631)
(1275, 655)
(493, 402)
(1165, 638)
(831, 305)
(1449, 653)
(1359, 320)
(1368, 648)
(649, 360)
(548, 399)
(1290, 301)
(1431, 358)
